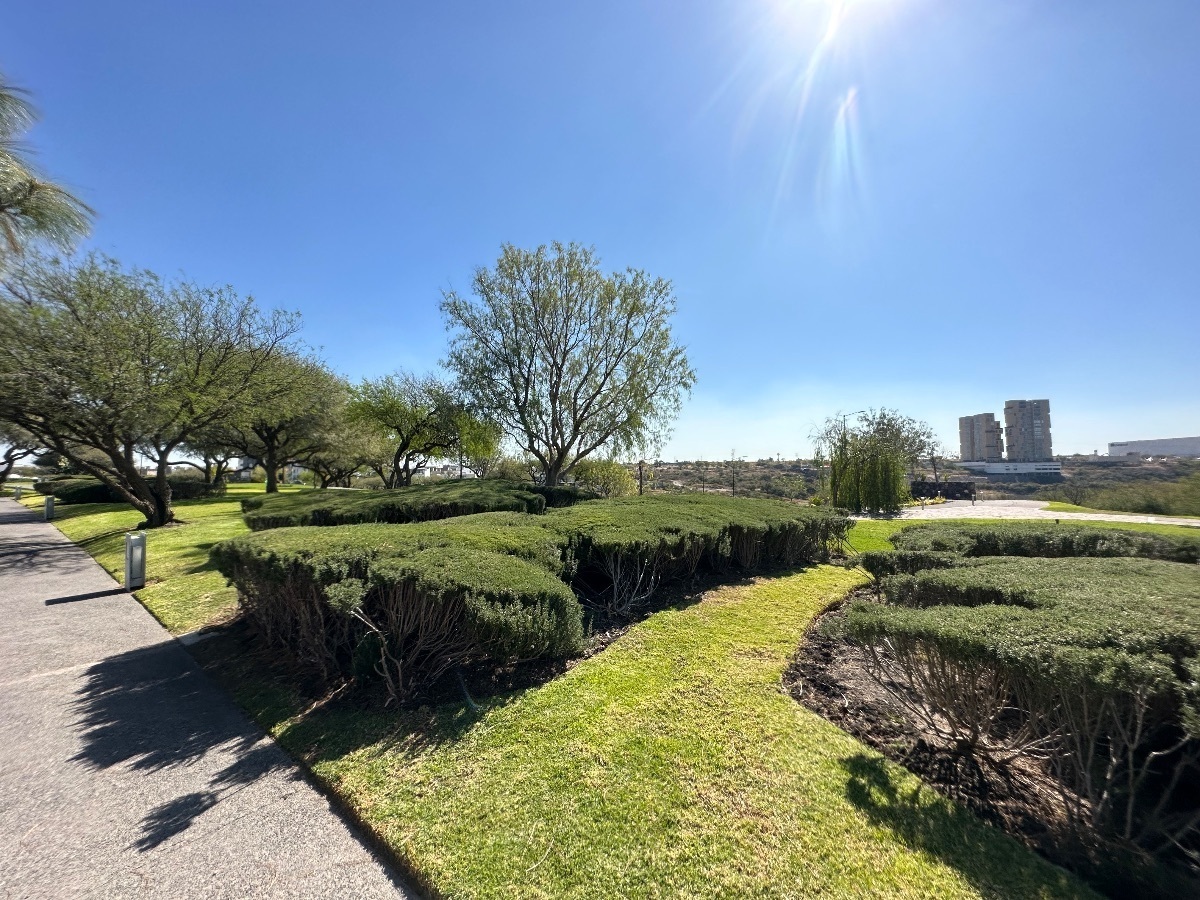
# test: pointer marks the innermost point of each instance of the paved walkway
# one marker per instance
(124, 771)
(1028, 509)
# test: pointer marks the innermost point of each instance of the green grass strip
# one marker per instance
(183, 589)
(670, 765)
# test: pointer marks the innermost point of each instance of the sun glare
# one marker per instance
(806, 47)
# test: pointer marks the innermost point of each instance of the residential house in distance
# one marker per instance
(980, 438)
(1027, 431)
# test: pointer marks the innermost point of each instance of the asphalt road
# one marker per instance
(124, 771)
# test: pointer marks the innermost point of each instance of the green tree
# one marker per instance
(344, 449)
(31, 207)
(294, 406)
(912, 439)
(116, 363)
(867, 460)
(567, 360)
(414, 419)
(479, 443)
(606, 477)
(510, 469)
(212, 447)
(17, 444)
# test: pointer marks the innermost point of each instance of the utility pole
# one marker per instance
(641, 476)
(733, 462)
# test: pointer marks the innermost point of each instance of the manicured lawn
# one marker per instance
(183, 590)
(671, 764)
(1055, 506)
(875, 534)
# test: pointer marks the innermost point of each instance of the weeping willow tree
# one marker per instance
(32, 209)
(866, 464)
(869, 475)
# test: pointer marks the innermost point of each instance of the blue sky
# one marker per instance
(936, 205)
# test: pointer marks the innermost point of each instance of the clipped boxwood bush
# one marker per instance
(882, 563)
(86, 489)
(421, 503)
(409, 601)
(561, 495)
(623, 548)
(404, 606)
(1052, 540)
(1090, 664)
(186, 488)
(77, 489)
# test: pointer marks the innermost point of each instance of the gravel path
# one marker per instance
(124, 771)
(1029, 509)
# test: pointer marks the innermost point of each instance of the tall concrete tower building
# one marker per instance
(980, 439)
(1027, 430)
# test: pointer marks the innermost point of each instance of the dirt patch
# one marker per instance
(832, 678)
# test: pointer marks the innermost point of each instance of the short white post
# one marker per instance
(135, 561)
(17, 492)
(49, 507)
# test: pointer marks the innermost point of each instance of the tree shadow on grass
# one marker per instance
(995, 864)
(205, 562)
(320, 724)
(316, 723)
(153, 711)
(106, 540)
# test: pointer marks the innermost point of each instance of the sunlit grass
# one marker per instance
(182, 590)
(670, 765)
(875, 534)
(1055, 506)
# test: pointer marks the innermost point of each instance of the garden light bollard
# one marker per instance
(135, 561)
(49, 507)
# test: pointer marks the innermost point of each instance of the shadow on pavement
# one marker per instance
(93, 595)
(38, 556)
(154, 711)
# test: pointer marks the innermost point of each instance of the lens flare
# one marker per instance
(801, 93)
(798, 69)
(840, 187)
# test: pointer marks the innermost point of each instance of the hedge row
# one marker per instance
(1094, 663)
(1038, 539)
(86, 489)
(421, 503)
(409, 601)
(77, 489)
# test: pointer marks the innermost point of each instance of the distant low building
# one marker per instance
(1182, 446)
(1014, 468)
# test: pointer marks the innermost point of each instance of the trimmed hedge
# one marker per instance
(561, 495)
(882, 563)
(77, 489)
(1037, 539)
(86, 489)
(422, 503)
(194, 488)
(412, 600)
(1097, 658)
